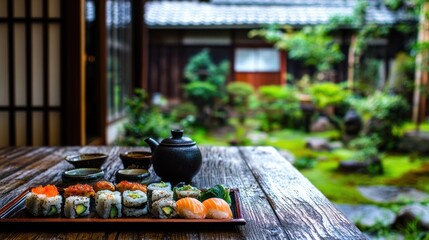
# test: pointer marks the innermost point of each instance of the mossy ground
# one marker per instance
(399, 169)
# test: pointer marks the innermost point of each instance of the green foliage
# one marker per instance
(239, 98)
(217, 191)
(312, 45)
(389, 108)
(402, 75)
(206, 87)
(143, 120)
(327, 94)
(305, 162)
(369, 78)
(201, 68)
(201, 93)
(279, 105)
(184, 114)
(365, 148)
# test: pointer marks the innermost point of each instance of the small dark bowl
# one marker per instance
(136, 159)
(82, 175)
(133, 175)
(87, 160)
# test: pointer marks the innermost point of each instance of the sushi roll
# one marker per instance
(44, 201)
(108, 204)
(165, 186)
(217, 208)
(186, 191)
(191, 208)
(164, 208)
(134, 203)
(159, 194)
(76, 206)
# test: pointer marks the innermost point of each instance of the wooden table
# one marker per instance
(277, 201)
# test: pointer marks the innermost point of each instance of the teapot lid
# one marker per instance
(177, 139)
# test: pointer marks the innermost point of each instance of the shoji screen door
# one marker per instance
(30, 67)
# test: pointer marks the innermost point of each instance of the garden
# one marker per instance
(354, 140)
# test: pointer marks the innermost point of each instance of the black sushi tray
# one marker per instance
(15, 214)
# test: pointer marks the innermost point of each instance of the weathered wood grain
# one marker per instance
(303, 211)
(277, 201)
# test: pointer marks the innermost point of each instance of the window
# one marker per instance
(257, 60)
(119, 56)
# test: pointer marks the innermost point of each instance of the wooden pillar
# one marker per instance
(74, 72)
(421, 78)
(351, 63)
(283, 67)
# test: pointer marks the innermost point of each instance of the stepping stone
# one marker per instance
(414, 212)
(389, 194)
(318, 144)
(368, 216)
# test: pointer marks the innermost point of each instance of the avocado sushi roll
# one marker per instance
(164, 208)
(134, 203)
(164, 186)
(76, 206)
(44, 201)
(186, 191)
(108, 204)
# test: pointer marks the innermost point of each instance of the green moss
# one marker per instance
(399, 169)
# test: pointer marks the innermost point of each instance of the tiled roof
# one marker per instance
(253, 13)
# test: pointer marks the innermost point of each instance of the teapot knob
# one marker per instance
(177, 133)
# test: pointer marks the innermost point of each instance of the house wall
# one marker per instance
(171, 49)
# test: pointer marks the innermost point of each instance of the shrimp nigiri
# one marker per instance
(191, 208)
(217, 208)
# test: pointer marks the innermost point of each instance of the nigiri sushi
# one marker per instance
(217, 208)
(189, 207)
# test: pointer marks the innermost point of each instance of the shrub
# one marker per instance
(239, 98)
(279, 106)
(205, 87)
(143, 120)
(383, 113)
(327, 94)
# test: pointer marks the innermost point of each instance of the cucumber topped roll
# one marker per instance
(164, 187)
(186, 191)
(134, 203)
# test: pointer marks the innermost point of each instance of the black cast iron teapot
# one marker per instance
(176, 159)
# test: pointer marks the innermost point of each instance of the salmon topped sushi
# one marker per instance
(217, 208)
(189, 207)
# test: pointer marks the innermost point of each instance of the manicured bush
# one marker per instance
(279, 106)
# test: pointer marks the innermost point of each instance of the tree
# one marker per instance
(206, 86)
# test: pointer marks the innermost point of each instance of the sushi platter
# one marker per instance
(84, 209)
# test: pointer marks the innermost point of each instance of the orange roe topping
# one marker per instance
(125, 185)
(48, 190)
(79, 190)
